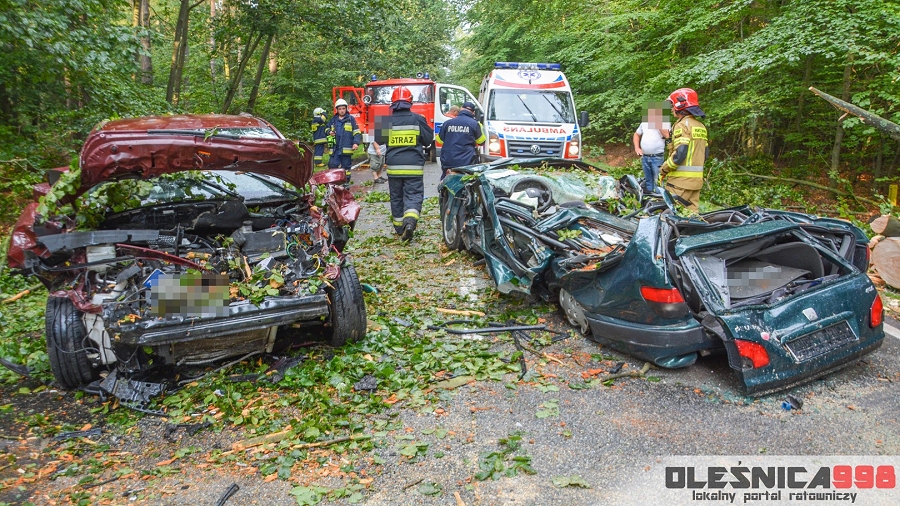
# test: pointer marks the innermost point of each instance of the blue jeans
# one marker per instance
(651, 165)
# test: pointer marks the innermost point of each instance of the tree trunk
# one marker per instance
(145, 59)
(212, 39)
(263, 58)
(839, 132)
(886, 259)
(178, 51)
(886, 225)
(252, 42)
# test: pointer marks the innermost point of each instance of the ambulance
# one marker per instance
(430, 99)
(529, 112)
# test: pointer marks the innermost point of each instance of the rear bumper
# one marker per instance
(766, 380)
(240, 318)
(670, 346)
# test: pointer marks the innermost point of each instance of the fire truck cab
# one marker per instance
(430, 99)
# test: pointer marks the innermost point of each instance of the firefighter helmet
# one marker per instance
(402, 93)
(682, 98)
(340, 102)
(318, 111)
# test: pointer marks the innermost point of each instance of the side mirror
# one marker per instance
(479, 115)
(584, 121)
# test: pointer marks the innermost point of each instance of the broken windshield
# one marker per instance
(531, 106)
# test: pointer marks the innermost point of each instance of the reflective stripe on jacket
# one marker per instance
(405, 134)
(319, 132)
(461, 137)
(688, 174)
(346, 134)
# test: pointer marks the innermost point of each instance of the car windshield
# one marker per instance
(231, 133)
(190, 186)
(422, 93)
(531, 106)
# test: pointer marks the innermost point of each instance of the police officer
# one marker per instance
(461, 137)
(406, 136)
(683, 170)
(319, 134)
(347, 137)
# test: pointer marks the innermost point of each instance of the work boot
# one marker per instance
(409, 226)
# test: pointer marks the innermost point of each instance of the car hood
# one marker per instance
(556, 174)
(155, 145)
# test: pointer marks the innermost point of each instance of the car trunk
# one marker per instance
(784, 297)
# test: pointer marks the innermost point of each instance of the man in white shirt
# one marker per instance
(650, 144)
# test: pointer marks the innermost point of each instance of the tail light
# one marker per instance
(876, 313)
(666, 302)
(754, 352)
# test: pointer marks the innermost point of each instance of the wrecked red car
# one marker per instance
(183, 240)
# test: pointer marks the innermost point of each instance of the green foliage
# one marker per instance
(751, 63)
(504, 462)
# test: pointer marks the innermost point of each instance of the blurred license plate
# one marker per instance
(821, 342)
(202, 295)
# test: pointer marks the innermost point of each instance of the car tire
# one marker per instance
(348, 309)
(451, 225)
(66, 335)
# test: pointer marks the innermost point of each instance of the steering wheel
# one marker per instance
(535, 188)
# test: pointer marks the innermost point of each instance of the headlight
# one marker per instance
(494, 144)
(574, 149)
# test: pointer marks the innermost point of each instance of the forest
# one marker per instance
(66, 65)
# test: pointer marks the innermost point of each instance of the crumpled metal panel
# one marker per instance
(150, 146)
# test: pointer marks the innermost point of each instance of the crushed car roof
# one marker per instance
(155, 145)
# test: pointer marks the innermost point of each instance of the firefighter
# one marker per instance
(347, 137)
(407, 135)
(319, 134)
(461, 137)
(683, 170)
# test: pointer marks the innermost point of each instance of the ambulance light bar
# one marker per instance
(528, 66)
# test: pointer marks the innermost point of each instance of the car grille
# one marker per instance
(821, 342)
(522, 148)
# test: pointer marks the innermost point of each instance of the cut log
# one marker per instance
(886, 259)
(886, 225)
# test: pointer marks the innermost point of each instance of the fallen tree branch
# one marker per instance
(22, 293)
(318, 444)
(630, 374)
(807, 183)
(461, 312)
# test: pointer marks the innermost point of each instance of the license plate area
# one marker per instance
(820, 342)
(191, 295)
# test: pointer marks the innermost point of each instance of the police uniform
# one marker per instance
(346, 134)
(461, 137)
(320, 137)
(405, 134)
(683, 169)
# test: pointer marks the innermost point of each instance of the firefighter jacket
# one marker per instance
(346, 133)
(461, 137)
(319, 132)
(406, 135)
(684, 166)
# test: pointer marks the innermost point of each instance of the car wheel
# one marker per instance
(451, 225)
(348, 309)
(66, 336)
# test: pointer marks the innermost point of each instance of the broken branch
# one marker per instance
(22, 293)
(807, 183)
(318, 444)
(461, 312)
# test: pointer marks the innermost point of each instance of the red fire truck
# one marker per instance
(432, 100)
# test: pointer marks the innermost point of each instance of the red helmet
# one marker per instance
(402, 93)
(682, 98)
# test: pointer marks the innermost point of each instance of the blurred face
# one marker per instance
(654, 114)
(342, 110)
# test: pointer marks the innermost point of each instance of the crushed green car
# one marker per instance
(784, 295)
